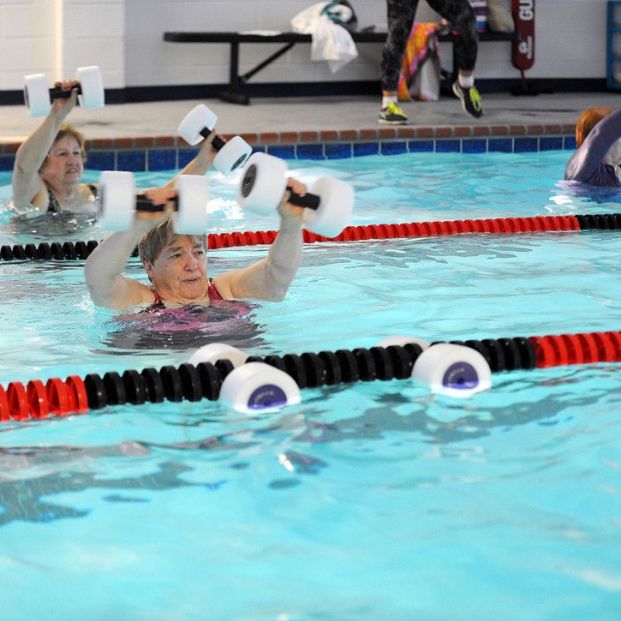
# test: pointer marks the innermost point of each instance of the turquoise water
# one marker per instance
(370, 501)
(399, 188)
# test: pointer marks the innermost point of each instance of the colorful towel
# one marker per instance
(420, 71)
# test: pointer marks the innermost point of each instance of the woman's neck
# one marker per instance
(67, 194)
(168, 302)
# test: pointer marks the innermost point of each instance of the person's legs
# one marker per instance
(400, 16)
(461, 16)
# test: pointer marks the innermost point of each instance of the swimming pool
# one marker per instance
(373, 500)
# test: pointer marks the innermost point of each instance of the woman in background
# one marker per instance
(598, 154)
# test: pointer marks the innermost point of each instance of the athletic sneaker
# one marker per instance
(392, 115)
(470, 99)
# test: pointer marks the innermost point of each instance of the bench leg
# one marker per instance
(236, 82)
(234, 94)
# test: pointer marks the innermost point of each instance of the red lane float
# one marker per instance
(584, 348)
(18, 401)
(37, 400)
(4, 406)
(494, 226)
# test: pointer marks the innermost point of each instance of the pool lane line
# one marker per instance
(77, 395)
(439, 228)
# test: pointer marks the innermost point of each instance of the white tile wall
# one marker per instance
(124, 37)
(26, 42)
(94, 34)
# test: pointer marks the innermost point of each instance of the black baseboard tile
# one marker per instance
(136, 94)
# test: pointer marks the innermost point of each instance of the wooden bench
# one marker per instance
(235, 92)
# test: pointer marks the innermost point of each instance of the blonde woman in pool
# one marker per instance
(49, 164)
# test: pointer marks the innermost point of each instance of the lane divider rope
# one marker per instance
(494, 226)
(76, 395)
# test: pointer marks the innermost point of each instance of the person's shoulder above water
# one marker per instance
(597, 159)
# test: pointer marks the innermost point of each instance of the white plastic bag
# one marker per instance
(331, 42)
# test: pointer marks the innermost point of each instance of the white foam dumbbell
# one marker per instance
(329, 204)
(118, 202)
(258, 387)
(453, 370)
(38, 96)
(198, 124)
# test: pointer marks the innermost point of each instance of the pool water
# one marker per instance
(367, 501)
(397, 188)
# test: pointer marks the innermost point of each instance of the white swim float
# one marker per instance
(402, 340)
(258, 387)
(453, 370)
(218, 351)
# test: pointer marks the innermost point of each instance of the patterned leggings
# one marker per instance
(400, 19)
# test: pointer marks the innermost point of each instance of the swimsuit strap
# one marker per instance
(157, 300)
(213, 293)
(53, 204)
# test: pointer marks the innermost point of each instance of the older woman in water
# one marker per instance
(49, 164)
(176, 265)
(597, 159)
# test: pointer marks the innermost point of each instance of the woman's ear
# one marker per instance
(148, 268)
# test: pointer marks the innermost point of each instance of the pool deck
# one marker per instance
(294, 120)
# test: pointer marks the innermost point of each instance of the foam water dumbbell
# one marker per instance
(329, 204)
(198, 124)
(453, 370)
(38, 96)
(118, 202)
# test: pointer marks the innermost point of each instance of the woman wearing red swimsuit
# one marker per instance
(176, 264)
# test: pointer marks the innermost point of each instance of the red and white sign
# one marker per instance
(523, 50)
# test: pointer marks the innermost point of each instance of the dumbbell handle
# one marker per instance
(309, 200)
(217, 142)
(145, 204)
(59, 93)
